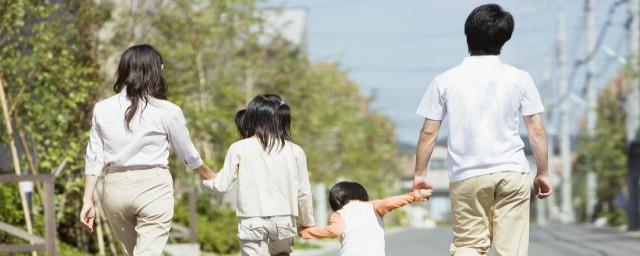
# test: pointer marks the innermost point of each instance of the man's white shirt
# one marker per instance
(484, 99)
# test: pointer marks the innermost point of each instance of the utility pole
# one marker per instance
(565, 139)
(542, 213)
(549, 115)
(632, 105)
(592, 99)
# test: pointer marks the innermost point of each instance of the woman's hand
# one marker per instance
(88, 212)
(87, 215)
(205, 172)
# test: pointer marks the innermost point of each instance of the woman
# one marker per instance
(130, 136)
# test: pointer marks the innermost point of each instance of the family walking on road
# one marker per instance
(490, 186)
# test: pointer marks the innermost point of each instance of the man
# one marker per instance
(488, 172)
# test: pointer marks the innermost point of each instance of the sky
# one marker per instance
(393, 49)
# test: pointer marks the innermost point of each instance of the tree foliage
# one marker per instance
(216, 58)
(606, 152)
(51, 75)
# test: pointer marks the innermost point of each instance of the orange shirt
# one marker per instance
(381, 207)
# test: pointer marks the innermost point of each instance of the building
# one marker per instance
(438, 209)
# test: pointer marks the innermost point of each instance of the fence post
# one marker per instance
(49, 217)
(193, 218)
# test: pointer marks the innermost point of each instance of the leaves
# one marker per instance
(606, 152)
(213, 64)
(49, 63)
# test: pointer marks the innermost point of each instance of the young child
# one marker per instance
(358, 221)
(273, 183)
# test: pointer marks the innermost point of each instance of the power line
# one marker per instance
(417, 69)
(607, 62)
(370, 41)
(580, 62)
(329, 4)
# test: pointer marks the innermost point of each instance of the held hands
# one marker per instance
(87, 216)
(542, 186)
(425, 194)
(423, 186)
(208, 175)
(207, 185)
(301, 229)
(421, 182)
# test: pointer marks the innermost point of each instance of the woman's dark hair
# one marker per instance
(140, 74)
(269, 118)
(240, 124)
(345, 191)
(488, 28)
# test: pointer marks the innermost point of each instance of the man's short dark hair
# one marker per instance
(487, 28)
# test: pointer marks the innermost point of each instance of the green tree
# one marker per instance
(607, 153)
(342, 138)
(49, 67)
(208, 46)
(214, 63)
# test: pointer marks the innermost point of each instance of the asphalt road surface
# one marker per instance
(544, 240)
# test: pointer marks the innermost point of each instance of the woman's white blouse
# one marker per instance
(154, 128)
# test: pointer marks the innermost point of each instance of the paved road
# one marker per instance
(547, 241)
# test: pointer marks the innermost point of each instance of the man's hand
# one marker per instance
(87, 215)
(421, 182)
(542, 186)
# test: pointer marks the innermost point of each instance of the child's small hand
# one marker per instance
(425, 194)
(300, 229)
(207, 185)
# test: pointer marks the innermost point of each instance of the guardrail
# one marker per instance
(48, 244)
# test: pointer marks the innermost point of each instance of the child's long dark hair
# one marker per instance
(240, 124)
(140, 72)
(268, 117)
(345, 191)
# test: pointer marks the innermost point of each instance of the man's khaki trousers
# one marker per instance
(139, 206)
(492, 208)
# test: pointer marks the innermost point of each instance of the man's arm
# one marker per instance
(426, 144)
(538, 141)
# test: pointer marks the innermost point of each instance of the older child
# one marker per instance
(242, 130)
(273, 183)
(358, 221)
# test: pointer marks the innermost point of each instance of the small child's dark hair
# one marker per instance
(241, 125)
(345, 191)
